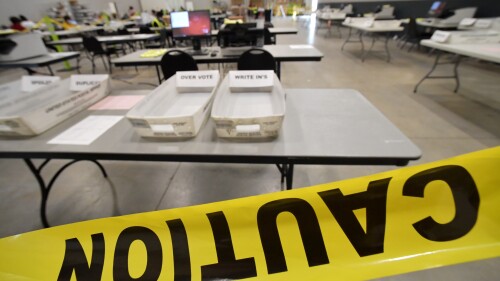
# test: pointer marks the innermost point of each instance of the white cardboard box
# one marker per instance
(166, 113)
(248, 115)
(33, 112)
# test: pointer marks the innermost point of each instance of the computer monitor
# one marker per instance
(192, 25)
(437, 8)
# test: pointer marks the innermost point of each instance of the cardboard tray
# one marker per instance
(28, 113)
(248, 115)
(166, 113)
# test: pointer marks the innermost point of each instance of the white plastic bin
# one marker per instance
(168, 113)
(27, 113)
(249, 114)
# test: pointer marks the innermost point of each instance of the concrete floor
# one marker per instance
(443, 124)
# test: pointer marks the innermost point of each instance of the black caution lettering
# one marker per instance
(374, 199)
(465, 196)
(153, 248)
(310, 232)
(180, 246)
(76, 261)
(227, 267)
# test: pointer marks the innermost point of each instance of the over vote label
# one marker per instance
(197, 80)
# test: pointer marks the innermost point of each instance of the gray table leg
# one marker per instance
(278, 69)
(455, 62)
(347, 39)
(289, 177)
(365, 54)
(45, 188)
(386, 46)
(360, 40)
(50, 70)
(286, 171)
(158, 74)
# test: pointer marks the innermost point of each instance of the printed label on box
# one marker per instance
(83, 82)
(196, 80)
(440, 36)
(257, 81)
(367, 23)
(467, 22)
(483, 23)
(31, 83)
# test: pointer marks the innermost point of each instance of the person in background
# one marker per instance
(16, 24)
(68, 23)
(26, 23)
(131, 11)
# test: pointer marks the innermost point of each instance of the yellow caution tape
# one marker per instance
(153, 53)
(399, 221)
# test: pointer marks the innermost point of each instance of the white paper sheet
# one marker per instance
(301, 47)
(87, 130)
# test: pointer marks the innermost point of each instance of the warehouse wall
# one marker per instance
(418, 8)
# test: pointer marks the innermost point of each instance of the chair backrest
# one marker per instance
(92, 45)
(411, 28)
(269, 39)
(176, 60)
(256, 59)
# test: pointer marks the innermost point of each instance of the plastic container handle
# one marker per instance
(5, 128)
(162, 128)
(248, 128)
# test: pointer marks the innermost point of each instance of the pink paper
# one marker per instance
(491, 49)
(117, 102)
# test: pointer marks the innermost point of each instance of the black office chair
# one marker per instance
(256, 59)
(413, 36)
(269, 39)
(94, 49)
(176, 60)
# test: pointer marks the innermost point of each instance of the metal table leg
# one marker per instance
(386, 46)
(158, 74)
(455, 62)
(347, 39)
(365, 54)
(286, 171)
(278, 69)
(45, 188)
(50, 70)
(360, 40)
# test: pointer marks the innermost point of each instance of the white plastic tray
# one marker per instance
(248, 114)
(166, 113)
(31, 113)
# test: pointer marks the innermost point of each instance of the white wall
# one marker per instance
(175, 4)
(149, 5)
(36, 9)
